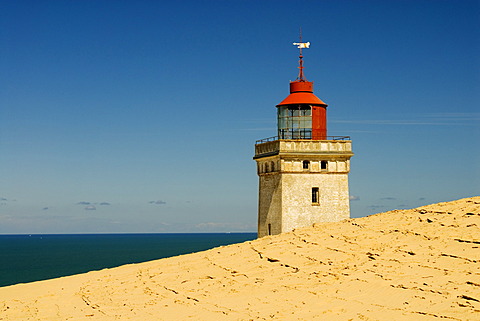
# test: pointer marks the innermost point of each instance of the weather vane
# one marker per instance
(301, 45)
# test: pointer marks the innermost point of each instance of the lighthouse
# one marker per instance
(303, 173)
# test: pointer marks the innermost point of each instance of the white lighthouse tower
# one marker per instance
(303, 173)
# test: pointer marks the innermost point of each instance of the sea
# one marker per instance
(28, 258)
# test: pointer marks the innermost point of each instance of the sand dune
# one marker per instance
(419, 264)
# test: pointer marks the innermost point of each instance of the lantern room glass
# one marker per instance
(294, 122)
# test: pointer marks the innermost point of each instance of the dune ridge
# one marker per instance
(418, 264)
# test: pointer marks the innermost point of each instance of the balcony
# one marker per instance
(269, 139)
(333, 145)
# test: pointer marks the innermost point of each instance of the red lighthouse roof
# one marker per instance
(301, 92)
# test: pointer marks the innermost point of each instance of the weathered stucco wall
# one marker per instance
(298, 210)
(269, 205)
(285, 200)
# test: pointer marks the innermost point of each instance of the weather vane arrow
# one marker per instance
(302, 45)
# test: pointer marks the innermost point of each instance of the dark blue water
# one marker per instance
(27, 258)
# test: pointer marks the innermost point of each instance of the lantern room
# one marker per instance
(302, 115)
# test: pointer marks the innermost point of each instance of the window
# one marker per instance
(323, 165)
(315, 196)
(273, 167)
(295, 122)
(306, 164)
(269, 229)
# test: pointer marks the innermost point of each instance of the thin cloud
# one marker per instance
(211, 224)
(45, 209)
(455, 116)
(259, 120)
(33, 218)
(388, 198)
(354, 198)
(433, 119)
(3, 199)
(224, 226)
(376, 207)
(93, 204)
(388, 122)
(159, 202)
(90, 208)
(259, 129)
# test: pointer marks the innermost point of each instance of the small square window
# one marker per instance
(306, 164)
(323, 165)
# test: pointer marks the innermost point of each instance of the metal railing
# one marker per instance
(274, 138)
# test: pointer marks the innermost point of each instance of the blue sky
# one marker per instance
(141, 116)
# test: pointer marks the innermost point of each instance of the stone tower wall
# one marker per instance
(286, 182)
(270, 205)
(298, 210)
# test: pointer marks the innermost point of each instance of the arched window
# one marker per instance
(273, 167)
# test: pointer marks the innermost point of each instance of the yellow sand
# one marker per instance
(420, 264)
